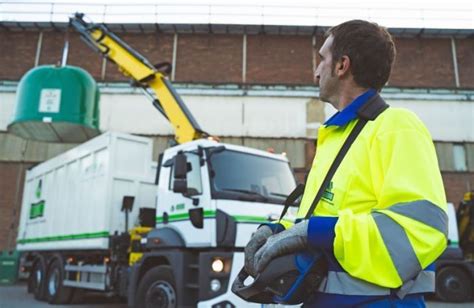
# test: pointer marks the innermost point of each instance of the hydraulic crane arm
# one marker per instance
(144, 74)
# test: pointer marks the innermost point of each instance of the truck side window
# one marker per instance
(193, 177)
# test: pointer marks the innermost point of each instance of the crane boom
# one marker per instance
(144, 74)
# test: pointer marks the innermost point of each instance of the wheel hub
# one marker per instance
(38, 276)
(161, 294)
(53, 282)
(452, 283)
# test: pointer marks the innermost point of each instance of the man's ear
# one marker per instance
(343, 66)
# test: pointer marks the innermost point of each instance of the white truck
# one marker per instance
(104, 217)
(455, 267)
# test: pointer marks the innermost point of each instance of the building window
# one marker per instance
(459, 157)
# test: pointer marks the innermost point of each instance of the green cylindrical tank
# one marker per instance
(56, 104)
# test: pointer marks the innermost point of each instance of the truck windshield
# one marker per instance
(240, 176)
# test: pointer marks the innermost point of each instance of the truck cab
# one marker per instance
(211, 197)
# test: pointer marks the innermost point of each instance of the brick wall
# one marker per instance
(209, 58)
(217, 58)
(11, 190)
(423, 63)
(456, 184)
(465, 56)
(18, 56)
(51, 48)
(273, 59)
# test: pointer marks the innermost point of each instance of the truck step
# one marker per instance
(192, 285)
(86, 268)
(85, 285)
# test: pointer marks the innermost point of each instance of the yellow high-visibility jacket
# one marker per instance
(386, 206)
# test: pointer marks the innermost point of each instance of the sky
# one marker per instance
(453, 14)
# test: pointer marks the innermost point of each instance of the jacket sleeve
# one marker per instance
(407, 228)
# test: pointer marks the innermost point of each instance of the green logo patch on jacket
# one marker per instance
(328, 195)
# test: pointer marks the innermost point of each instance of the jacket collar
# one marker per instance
(349, 113)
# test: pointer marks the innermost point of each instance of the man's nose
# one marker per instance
(316, 78)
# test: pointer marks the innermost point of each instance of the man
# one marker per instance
(382, 220)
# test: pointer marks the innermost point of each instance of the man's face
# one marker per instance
(324, 75)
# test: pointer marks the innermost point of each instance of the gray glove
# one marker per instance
(286, 242)
(258, 240)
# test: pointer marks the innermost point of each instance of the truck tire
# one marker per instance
(157, 289)
(453, 285)
(56, 292)
(38, 277)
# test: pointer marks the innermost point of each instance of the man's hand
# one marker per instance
(286, 242)
(258, 240)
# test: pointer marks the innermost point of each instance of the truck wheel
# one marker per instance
(453, 285)
(37, 278)
(56, 292)
(157, 289)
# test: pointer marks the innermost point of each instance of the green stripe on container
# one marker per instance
(64, 237)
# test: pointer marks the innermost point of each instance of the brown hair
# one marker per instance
(370, 48)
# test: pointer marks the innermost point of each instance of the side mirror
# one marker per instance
(180, 186)
(180, 166)
(127, 207)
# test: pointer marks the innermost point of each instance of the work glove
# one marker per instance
(286, 242)
(258, 240)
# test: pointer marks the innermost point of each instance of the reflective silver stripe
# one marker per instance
(344, 284)
(399, 247)
(424, 212)
(423, 283)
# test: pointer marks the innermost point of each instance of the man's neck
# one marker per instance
(348, 95)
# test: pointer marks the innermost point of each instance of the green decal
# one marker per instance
(38, 189)
(453, 243)
(37, 209)
(328, 194)
(180, 206)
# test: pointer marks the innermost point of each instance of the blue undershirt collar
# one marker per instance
(349, 113)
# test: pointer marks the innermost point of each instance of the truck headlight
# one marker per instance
(217, 265)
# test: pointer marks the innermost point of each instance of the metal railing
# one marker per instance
(292, 13)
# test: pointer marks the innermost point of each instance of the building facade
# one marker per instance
(249, 85)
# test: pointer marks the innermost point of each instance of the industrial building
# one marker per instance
(249, 84)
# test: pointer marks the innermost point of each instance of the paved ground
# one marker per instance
(16, 297)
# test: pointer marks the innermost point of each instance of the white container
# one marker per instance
(73, 201)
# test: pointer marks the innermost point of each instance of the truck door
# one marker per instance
(189, 212)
